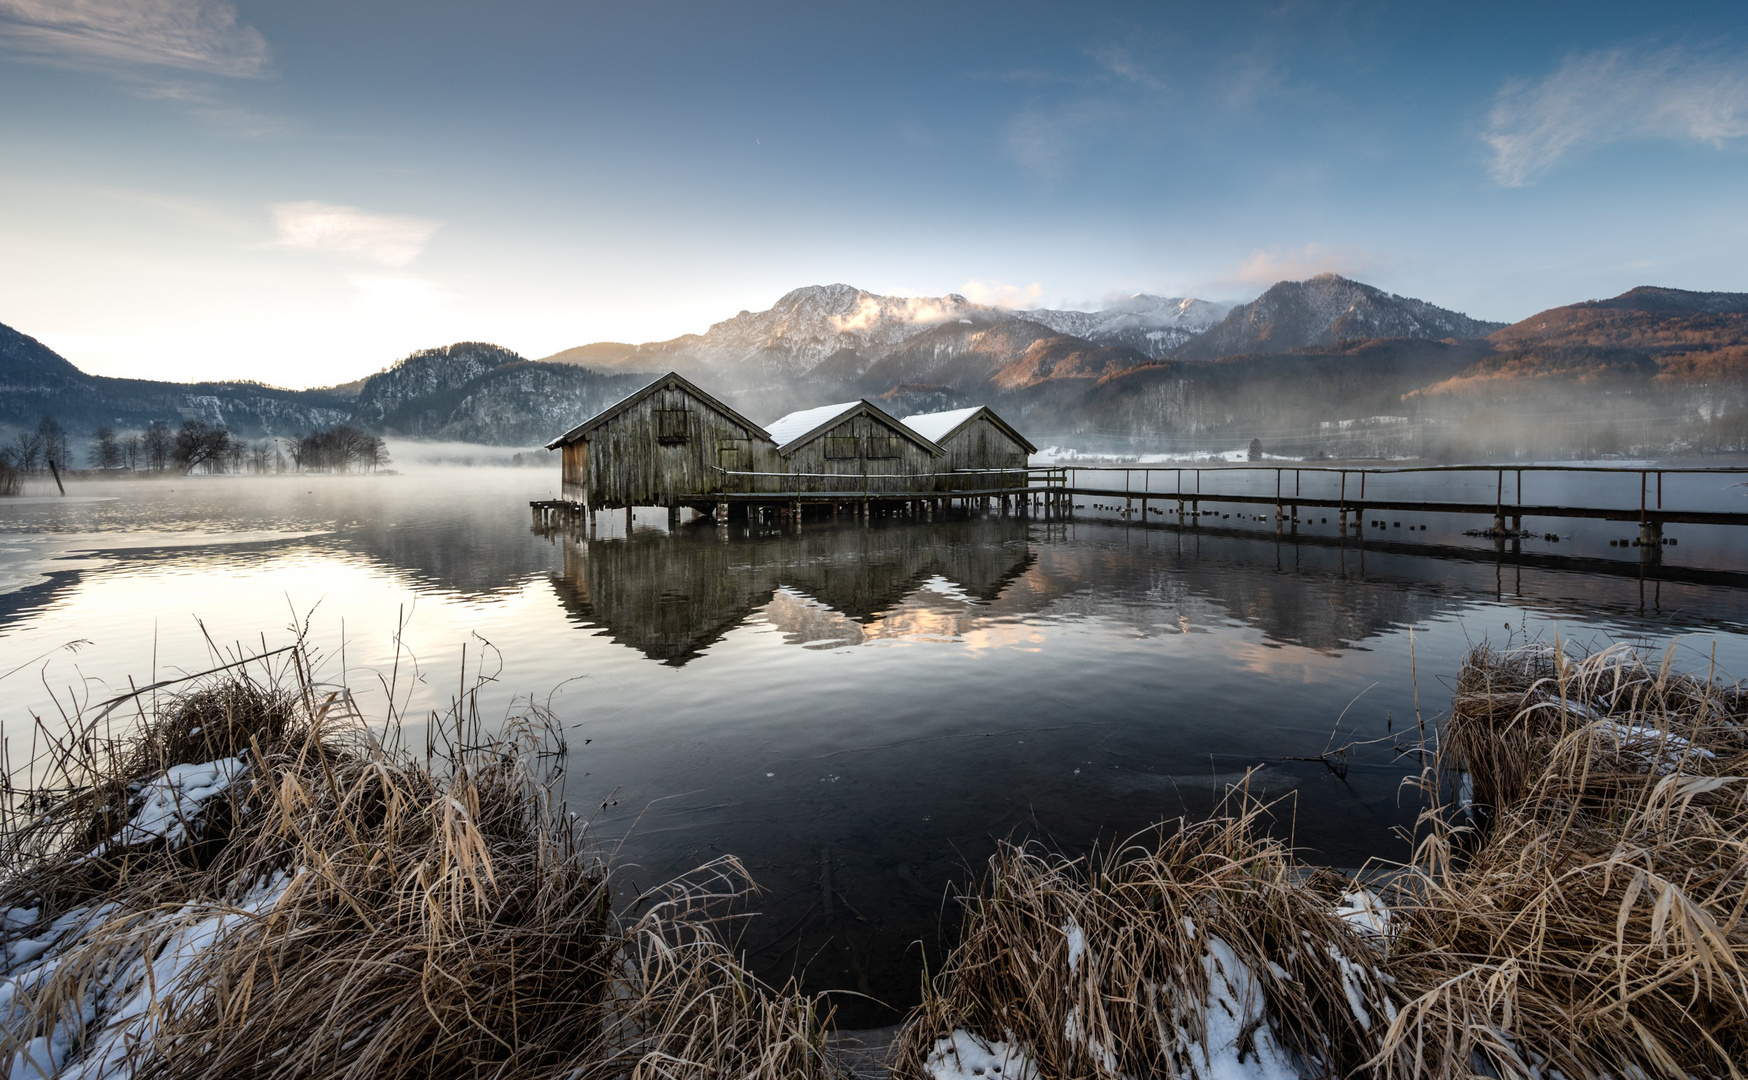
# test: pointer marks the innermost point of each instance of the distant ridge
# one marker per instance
(1302, 355)
(1322, 311)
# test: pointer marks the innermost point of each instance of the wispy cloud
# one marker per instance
(1264, 268)
(1043, 138)
(385, 239)
(201, 36)
(1613, 95)
(1001, 294)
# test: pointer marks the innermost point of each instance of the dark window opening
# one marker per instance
(842, 446)
(882, 446)
(672, 425)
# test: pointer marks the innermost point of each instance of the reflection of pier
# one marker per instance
(1188, 487)
(673, 596)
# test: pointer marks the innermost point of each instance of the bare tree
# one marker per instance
(105, 449)
(158, 445)
(339, 449)
(54, 442)
(200, 444)
(26, 452)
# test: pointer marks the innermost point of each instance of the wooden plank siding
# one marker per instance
(890, 455)
(663, 446)
(979, 443)
(672, 444)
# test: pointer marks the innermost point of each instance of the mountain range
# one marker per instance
(1303, 356)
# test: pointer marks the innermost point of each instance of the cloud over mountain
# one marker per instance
(386, 239)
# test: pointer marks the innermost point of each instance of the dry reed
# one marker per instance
(1595, 927)
(1187, 953)
(342, 909)
(1585, 918)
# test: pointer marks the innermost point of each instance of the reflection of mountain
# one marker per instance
(671, 597)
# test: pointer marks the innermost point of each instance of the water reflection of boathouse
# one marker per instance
(673, 445)
(671, 597)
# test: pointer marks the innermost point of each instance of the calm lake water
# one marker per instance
(857, 713)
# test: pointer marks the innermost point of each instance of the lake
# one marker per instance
(858, 713)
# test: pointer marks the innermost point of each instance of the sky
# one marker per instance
(303, 191)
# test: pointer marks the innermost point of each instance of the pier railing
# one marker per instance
(1612, 493)
(796, 484)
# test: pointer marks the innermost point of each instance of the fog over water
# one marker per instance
(858, 713)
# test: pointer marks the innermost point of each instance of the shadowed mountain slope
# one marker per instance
(1324, 310)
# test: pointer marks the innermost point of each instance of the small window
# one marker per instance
(842, 446)
(882, 446)
(733, 458)
(671, 425)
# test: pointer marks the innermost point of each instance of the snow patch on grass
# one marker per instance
(167, 806)
(964, 1056)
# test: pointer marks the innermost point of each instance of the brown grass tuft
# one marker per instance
(346, 910)
(1596, 926)
(1202, 945)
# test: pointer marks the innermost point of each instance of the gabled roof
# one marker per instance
(787, 428)
(672, 380)
(804, 426)
(940, 426)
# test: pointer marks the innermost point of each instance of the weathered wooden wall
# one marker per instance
(980, 444)
(661, 452)
(573, 458)
(911, 470)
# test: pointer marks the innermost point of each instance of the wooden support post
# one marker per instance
(673, 517)
(628, 521)
(1651, 541)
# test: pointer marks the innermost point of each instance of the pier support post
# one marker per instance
(628, 522)
(1650, 541)
(673, 517)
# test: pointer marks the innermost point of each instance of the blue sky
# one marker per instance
(300, 192)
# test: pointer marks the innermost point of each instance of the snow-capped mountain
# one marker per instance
(840, 331)
(1154, 325)
(1326, 309)
(810, 324)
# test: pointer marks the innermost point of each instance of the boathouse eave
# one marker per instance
(994, 418)
(789, 448)
(630, 400)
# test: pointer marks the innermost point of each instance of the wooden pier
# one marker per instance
(788, 497)
(1180, 492)
(1191, 486)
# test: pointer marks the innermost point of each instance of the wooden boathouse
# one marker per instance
(976, 440)
(854, 447)
(672, 445)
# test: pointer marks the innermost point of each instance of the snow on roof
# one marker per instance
(934, 426)
(787, 429)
